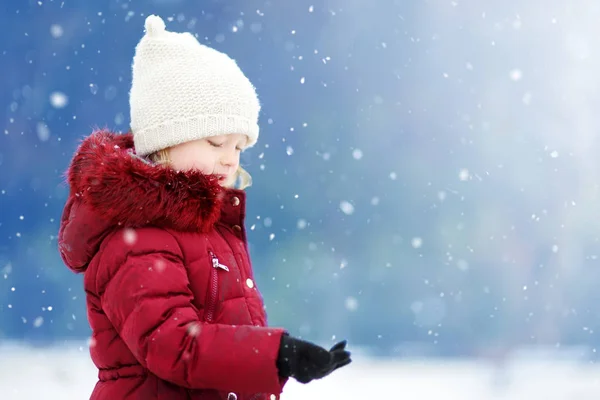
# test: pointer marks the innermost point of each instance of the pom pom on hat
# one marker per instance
(182, 91)
(154, 25)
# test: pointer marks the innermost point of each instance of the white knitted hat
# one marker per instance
(182, 90)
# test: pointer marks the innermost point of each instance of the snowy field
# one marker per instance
(66, 373)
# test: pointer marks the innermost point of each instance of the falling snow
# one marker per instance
(130, 236)
(58, 99)
(193, 329)
(416, 242)
(516, 74)
(346, 207)
(351, 304)
(488, 155)
(160, 265)
(56, 31)
(43, 132)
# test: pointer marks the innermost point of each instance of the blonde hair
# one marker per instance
(242, 180)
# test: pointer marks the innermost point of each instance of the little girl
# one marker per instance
(155, 221)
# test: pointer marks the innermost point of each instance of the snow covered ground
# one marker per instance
(66, 373)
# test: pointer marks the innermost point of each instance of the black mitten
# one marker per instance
(305, 361)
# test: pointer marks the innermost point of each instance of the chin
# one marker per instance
(227, 183)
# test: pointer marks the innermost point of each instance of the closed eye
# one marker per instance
(213, 144)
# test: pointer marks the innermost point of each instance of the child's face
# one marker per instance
(219, 155)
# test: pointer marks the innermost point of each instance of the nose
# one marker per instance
(229, 158)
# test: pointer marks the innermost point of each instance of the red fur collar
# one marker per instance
(111, 186)
(130, 191)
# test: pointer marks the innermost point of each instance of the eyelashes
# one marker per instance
(219, 145)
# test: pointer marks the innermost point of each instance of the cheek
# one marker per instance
(190, 160)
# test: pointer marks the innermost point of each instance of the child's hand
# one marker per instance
(305, 361)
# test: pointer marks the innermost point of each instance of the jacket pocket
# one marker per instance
(213, 286)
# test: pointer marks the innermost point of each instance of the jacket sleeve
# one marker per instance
(148, 300)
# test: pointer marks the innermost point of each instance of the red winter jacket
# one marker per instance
(173, 307)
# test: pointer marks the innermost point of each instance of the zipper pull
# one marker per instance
(217, 264)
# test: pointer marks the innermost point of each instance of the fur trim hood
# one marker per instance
(110, 186)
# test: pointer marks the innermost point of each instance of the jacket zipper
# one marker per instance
(214, 286)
